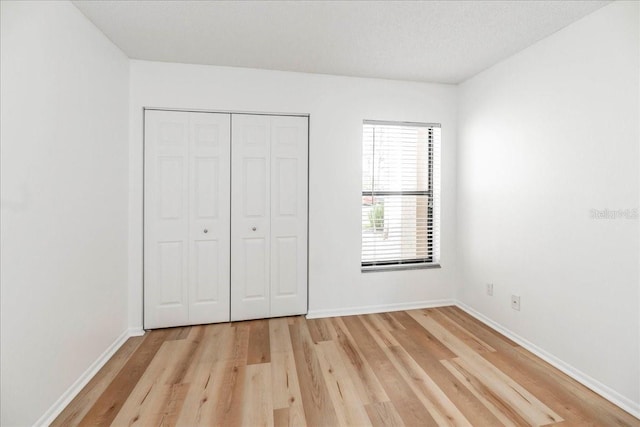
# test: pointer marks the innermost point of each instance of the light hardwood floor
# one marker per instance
(414, 368)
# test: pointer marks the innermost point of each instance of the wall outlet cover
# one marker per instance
(515, 302)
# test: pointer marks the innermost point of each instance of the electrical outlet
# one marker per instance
(515, 302)
(490, 289)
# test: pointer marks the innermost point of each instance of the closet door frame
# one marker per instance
(145, 184)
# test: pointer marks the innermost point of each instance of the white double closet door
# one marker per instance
(225, 217)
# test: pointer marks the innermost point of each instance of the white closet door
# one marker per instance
(166, 219)
(269, 216)
(186, 270)
(289, 146)
(250, 206)
(209, 225)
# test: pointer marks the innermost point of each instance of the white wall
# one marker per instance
(546, 136)
(337, 106)
(64, 144)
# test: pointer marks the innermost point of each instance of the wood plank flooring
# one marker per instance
(432, 367)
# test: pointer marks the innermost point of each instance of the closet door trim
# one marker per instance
(197, 110)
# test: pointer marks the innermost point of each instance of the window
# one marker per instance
(400, 195)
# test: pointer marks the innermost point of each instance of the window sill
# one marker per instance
(396, 267)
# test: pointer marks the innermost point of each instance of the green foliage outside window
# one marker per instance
(376, 217)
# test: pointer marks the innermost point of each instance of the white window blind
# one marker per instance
(400, 194)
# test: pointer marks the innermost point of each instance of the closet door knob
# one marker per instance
(206, 231)
(254, 228)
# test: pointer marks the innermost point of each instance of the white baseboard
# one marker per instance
(86, 376)
(136, 332)
(611, 395)
(370, 309)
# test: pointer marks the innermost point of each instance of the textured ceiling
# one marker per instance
(434, 41)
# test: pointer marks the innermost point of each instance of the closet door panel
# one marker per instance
(289, 152)
(166, 219)
(250, 201)
(209, 217)
(254, 278)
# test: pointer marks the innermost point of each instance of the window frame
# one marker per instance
(433, 235)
